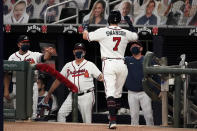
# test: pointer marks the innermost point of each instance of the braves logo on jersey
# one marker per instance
(78, 73)
(30, 60)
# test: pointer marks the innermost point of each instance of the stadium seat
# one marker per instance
(67, 12)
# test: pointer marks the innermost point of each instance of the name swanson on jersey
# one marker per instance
(115, 32)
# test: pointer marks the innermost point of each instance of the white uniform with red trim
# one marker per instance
(113, 41)
(33, 58)
(82, 76)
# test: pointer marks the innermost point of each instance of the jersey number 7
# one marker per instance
(117, 39)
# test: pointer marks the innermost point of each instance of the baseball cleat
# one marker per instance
(112, 125)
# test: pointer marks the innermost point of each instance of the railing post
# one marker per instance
(164, 94)
(21, 84)
(75, 107)
(29, 91)
(177, 101)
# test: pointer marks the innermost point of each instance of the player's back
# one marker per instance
(113, 41)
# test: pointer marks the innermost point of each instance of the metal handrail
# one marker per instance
(114, 2)
(65, 19)
(148, 69)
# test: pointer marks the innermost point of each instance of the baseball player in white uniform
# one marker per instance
(81, 72)
(113, 41)
(24, 54)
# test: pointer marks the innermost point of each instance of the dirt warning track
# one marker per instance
(56, 126)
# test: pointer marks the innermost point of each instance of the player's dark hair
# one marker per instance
(43, 78)
(114, 17)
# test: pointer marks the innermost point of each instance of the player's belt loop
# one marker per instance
(86, 91)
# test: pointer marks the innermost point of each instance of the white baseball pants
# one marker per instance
(137, 99)
(115, 74)
(35, 100)
(85, 105)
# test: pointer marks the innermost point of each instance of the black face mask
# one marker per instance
(79, 54)
(135, 50)
(25, 48)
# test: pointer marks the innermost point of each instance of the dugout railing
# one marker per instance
(24, 90)
(180, 95)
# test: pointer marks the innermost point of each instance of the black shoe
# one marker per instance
(112, 125)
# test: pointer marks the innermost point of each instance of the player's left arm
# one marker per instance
(100, 78)
(130, 23)
(85, 32)
(85, 35)
(132, 36)
(96, 72)
(96, 35)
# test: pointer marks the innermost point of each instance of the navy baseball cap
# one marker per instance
(136, 42)
(23, 39)
(79, 46)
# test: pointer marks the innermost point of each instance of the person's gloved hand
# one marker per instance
(127, 19)
(85, 26)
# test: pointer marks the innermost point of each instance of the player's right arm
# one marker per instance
(6, 80)
(85, 35)
(55, 84)
(132, 36)
(96, 35)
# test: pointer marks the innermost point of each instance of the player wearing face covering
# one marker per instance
(80, 72)
(24, 54)
(136, 95)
